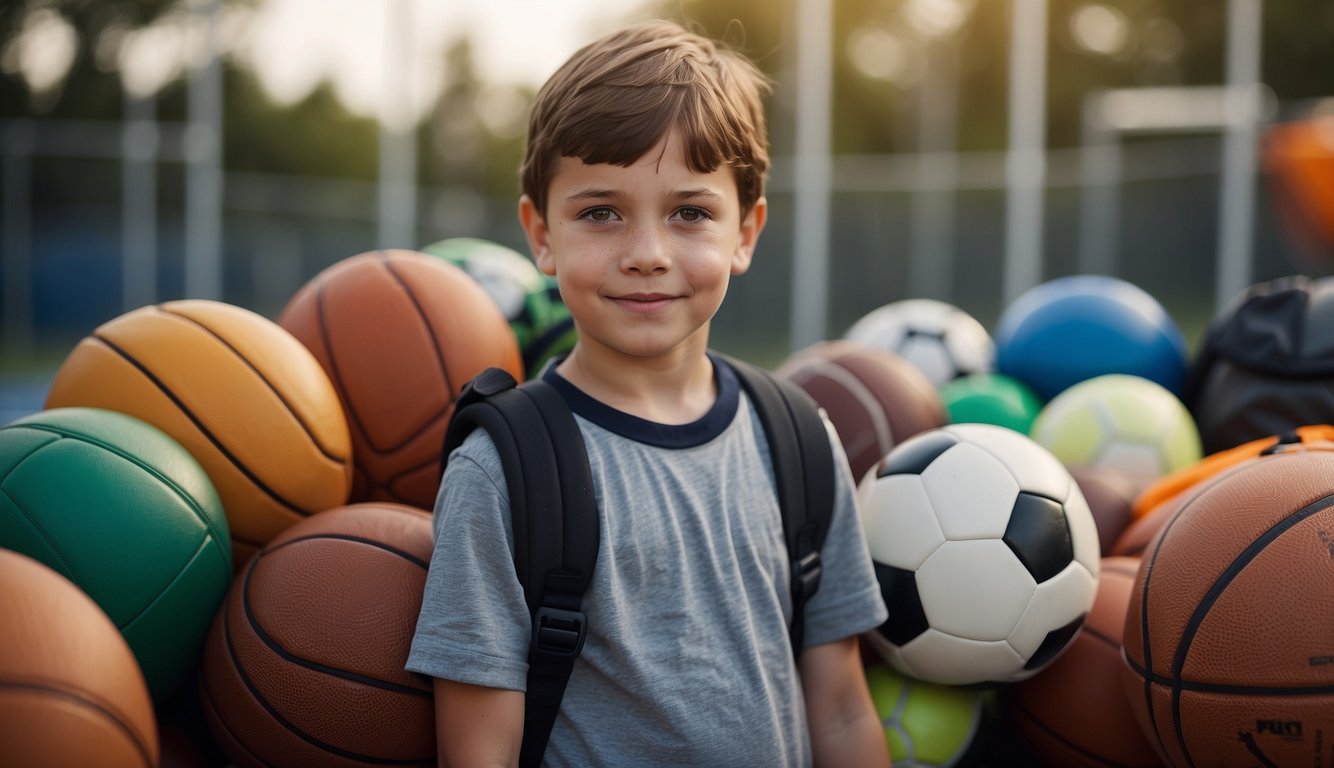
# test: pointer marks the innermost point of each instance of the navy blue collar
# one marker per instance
(697, 432)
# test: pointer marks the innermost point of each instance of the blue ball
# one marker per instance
(1070, 329)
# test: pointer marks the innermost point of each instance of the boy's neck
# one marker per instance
(676, 388)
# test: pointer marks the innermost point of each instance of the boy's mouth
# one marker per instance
(643, 302)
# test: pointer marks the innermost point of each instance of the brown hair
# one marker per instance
(617, 97)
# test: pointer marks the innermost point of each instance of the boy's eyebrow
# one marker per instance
(686, 194)
(598, 193)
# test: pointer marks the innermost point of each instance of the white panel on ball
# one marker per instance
(959, 603)
(971, 491)
(906, 540)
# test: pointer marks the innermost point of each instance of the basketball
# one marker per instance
(1066, 330)
(875, 399)
(1227, 638)
(399, 333)
(1111, 496)
(511, 279)
(238, 392)
(70, 690)
(304, 662)
(123, 511)
(1073, 714)
(926, 724)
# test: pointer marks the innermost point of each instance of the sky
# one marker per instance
(293, 43)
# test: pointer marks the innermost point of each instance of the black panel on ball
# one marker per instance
(1039, 535)
(1052, 645)
(906, 618)
(915, 454)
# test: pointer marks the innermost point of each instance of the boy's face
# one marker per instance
(643, 254)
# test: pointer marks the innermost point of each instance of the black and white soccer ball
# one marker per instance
(942, 340)
(986, 553)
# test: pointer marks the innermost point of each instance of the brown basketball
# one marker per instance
(71, 692)
(399, 333)
(1111, 497)
(304, 662)
(874, 398)
(1073, 714)
(1229, 638)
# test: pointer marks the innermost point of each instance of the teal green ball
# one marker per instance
(991, 398)
(123, 511)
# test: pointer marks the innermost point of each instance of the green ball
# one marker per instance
(554, 338)
(123, 511)
(926, 724)
(991, 398)
(512, 281)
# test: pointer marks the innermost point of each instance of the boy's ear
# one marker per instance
(751, 226)
(539, 237)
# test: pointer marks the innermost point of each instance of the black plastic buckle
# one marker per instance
(559, 632)
(806, 578)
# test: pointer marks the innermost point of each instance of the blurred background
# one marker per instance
(952, 149)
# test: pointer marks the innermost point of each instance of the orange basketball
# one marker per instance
(1229, 638)
(400, 333)
(242, 395)
(874, 398)
(71, 692)
(1073, 714)
(304, 662)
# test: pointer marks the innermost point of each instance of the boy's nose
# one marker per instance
(646, 251)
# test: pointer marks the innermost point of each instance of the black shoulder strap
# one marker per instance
(555, 522)
(804, 471)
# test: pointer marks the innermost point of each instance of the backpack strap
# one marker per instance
(804, 473)
(555, 524)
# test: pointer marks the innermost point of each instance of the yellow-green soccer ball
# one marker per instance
(1126, 423)
(927, 725)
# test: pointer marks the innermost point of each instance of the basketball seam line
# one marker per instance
(340, 460)
(426, 321)
(1241, 690)
(302, 662)
(84, 699)
(179, 575)
(185, 495)
(350, 408)
(209, 705)
(202, 429)
(263, 702)
(348, 537)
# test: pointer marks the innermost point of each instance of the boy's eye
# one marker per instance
(598, 214)
(693, 214)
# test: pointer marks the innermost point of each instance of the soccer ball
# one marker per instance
(1125, 423)
(986, 553)
(943, 341)
(926, 725)
(512, 281)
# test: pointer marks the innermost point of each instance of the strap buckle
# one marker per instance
(806, 576)
(558, 632)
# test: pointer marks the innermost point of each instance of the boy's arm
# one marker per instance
(477, 726)
(845, 730)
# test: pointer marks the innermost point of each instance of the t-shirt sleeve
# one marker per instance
(474, 625)
(848, 601)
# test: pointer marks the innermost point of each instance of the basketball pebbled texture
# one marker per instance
(399, 333)
(1227, 638)
(242, 395)
(70, 690)
(304, 662)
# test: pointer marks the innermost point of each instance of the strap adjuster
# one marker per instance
(806, 576)
(558, 632)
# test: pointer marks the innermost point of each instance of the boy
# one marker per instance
(643, 194)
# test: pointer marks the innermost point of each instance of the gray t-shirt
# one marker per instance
(687, 659)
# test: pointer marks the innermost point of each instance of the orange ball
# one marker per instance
(400, 333)
(71, 692)
(244, 397)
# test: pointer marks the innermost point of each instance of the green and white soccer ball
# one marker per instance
(927, 725)
(1126, 423)
(512, 281)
